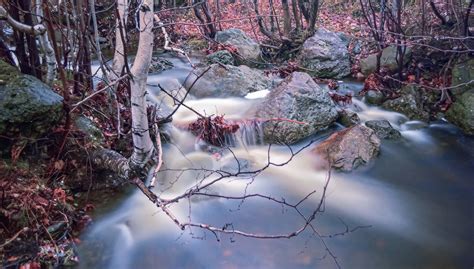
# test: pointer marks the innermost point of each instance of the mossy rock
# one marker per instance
(463, 72)
(461, 113)
(222, 57)
(28, 107)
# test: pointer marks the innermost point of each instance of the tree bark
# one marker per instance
(143, 148)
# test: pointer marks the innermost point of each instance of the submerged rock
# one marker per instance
(28, 107)
(247, 48)
(383, 129)
(326, 55)
(461, 113)
(297, 108)
(227, 81)
(348, 149)
(222, 57)
(388, 60)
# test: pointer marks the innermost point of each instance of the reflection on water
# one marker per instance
(411, 208)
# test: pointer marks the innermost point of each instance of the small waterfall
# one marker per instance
(250, 133)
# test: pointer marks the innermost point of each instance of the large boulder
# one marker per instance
(325, 54)
(388, 60)
(348, 149)
(28, 107)
(296, 109)
(461, 112)
(462, 74)
(247, 48)
(383, 129)
(227, 81)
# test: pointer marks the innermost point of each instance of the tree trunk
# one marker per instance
(119, 60)
(286, 18)
(143, 148)
(46, 47)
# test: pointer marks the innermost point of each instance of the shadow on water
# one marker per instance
(411, 208)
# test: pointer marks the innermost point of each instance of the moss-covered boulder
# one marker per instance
(221, 56)
(28, 107)
(410, 103)
(461, 112)
(462, 74)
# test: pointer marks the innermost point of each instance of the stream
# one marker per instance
(410, 208)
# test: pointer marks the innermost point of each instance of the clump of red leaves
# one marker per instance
(212, 129)
(372, 83)
(286, 70)
(341, 99)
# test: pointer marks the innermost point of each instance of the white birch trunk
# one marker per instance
(46, 47)
(143, 146)
(118, 62)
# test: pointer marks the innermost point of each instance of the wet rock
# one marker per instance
(409, 104)
(463, 72)
(227, 81)
(28, 107)
(301, 106)
(326, 55)
(158, 65)
(383, 129)
(461, 113)
(348, 118)
(221, 56)
(247, 48)
(348, 149)
(374, 97)
(388, 60)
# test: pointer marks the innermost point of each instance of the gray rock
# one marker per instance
(221, 56)
(297, 98)
(374, 97)
(461, 113)
(348, 118)
(463, 72)
(28, 107)
(326, 55)
(409, 104)
(227, 81)
(348, 149)
(383, 129)
(247, 48)
(388, 60)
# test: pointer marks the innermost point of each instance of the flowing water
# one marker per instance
(411, 208)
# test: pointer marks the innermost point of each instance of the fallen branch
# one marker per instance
(167, 40)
